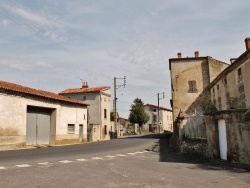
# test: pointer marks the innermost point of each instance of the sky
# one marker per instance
(53, 45)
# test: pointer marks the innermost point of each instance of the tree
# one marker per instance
(137, 113)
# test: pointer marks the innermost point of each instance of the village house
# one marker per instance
(99, 126)
(190, 77)
(228, 125)
(211, 100)
(165, 119)
(36, 117)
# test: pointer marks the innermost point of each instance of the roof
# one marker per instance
(172, 60)
(162, 108)
(240, 60)
(85, 90)
(7, 87)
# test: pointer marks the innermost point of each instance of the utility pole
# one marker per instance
(115, 100)
(115, 105)
(158, 116)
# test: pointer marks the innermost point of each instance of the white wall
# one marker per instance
(13, 111)
(97, 103)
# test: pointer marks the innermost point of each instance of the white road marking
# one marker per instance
(97, 158)
(121, 155)
(131, 153)
(139, 152)
(81, 159)
(2, 168)
(44, 163)
(23, 165)
(109, 156)
(65, 161)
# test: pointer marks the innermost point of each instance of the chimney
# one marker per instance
(232, 60)
(179, 55)
(196, 54)
(85, 85)
(247, 41)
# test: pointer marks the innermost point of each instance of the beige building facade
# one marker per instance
(190, 77)
(98, 98)
(35, 117)
(228, 126)
(165, 119)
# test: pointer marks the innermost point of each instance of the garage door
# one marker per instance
(38, 126)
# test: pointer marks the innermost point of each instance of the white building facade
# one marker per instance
(34, 117)
(98, 98)
(165, 119)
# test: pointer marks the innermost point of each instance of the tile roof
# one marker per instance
(162, 108)
(19, 89)
(85, 90)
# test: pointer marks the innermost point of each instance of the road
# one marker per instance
(130, 162)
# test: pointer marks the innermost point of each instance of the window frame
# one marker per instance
(71, 129)
(192, 86)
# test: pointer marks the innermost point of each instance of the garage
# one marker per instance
(38, 128)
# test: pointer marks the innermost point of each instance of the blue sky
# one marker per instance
(55, 44)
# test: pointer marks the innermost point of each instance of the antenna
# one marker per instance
(81, 80)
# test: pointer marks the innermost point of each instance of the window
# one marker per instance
(84, 116)
(154, 118)
(84, 98)
(218, 87)
(105, 113)
(71, 128)
(219, 103)
(225, 81)
(242, 96)
(229, 105)
(239, 75)
(192, 87)
(155, 110)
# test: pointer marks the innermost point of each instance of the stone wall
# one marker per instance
(237, 135)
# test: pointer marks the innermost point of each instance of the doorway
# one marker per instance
(222, 139)
(38, 126)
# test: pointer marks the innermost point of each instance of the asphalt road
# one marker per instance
(116, 163)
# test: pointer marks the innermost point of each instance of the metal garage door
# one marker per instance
(38, 126)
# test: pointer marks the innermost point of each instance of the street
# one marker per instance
(135, 161)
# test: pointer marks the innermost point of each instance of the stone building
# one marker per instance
(35, 117)
(228, 127)
(190, 77)
(165, 119)
(98, 98)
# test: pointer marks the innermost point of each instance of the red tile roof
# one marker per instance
(85, 90)
(18, 89)
(162, 108)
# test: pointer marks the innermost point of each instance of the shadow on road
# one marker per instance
(162, 148)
